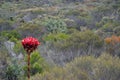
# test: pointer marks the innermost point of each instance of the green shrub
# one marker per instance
(84, 40)
(11, 35)
(55, 37)
(55, 24)
(105, 67)
(61, 74)
(30, 29)
(38, 65)
(14, 71)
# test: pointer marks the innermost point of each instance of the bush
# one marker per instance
(14, 71)
(30, 29)
(56, 37)
(11, 35)
(105, 67)
(87, 41)
(61, 74)
(74, 44)
(112, 45)
(38, 65)
(55, 24)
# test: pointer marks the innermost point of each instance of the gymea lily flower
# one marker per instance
(30, 44)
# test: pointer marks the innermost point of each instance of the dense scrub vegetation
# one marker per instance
(104, 67)
(79, 40)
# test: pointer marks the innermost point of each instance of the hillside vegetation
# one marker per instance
(80, 39)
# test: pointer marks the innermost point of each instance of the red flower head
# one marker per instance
(30, 44)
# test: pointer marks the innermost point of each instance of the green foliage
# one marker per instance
(30, 29)
(29, 26)
(104, 14)
(84, 40)
(18, 47)
(107, 67)
(82, 15)
(61, 74)
(85, 68)
(14, 71)
(87, 40)
(110, 26)
(11, 35)
(107, 24)
(38, 65)
(55, 24)
(55, 37)
(56, 40)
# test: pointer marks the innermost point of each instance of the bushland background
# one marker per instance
(73, 39)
